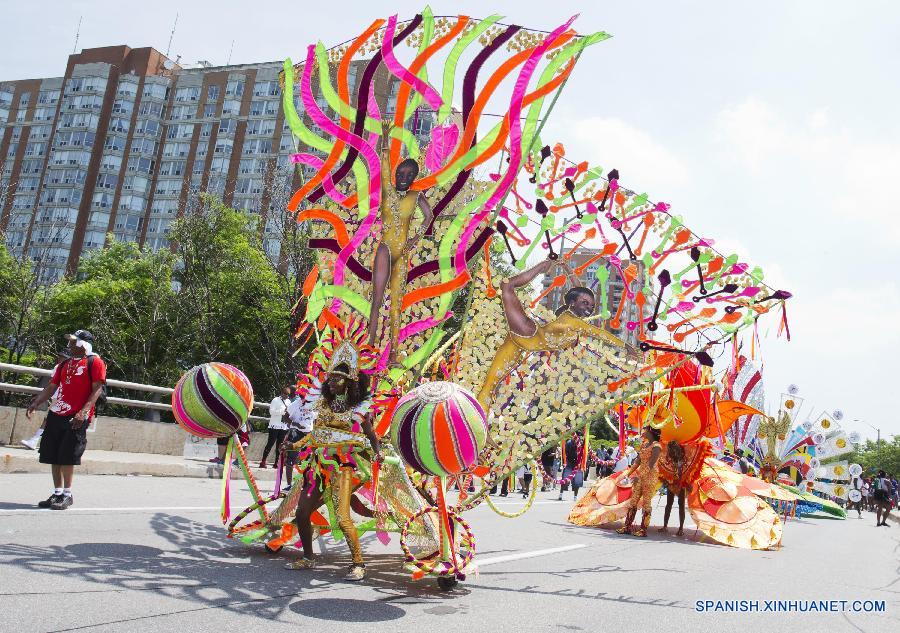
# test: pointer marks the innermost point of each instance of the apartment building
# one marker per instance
(123, 142)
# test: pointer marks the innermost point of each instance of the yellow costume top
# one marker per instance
(647, 479)
(397, 210)
(561, 333)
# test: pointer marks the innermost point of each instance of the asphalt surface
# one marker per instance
(149, 554)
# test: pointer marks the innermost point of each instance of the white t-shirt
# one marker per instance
(301, 416)
(276, 409)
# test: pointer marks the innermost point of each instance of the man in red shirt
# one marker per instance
(78, 383)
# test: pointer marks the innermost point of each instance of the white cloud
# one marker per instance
(852, 323)
(643, 161)
(858, 175)
(819, 119)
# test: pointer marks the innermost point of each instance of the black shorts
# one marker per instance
(62, 445)
(881, 496)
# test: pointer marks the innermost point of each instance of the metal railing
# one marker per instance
(118, 384)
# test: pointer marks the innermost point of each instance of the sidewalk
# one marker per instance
(21, 460)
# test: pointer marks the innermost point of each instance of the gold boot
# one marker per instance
(629, 519)
(645, 523)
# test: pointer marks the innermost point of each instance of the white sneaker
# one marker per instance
(30, 443)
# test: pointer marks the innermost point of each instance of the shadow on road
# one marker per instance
(6, 505)
(214, 572)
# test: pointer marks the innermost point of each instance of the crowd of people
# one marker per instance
(878, 493)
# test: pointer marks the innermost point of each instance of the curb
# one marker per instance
(11, 463)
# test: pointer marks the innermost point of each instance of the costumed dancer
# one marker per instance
(645, 483)
(676, 486)
(526, 336)
(398, 207)
(335, 452)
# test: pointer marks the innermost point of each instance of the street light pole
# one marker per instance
(877, 431)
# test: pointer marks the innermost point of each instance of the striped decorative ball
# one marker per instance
(212, 400)
(439, 429)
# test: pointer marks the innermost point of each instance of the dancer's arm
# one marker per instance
(386, 127)
(654, 455)
(369, 430)
(526, 277)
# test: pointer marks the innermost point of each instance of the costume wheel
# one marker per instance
(447, 583)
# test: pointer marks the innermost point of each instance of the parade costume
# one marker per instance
(396, 213)
(448, 374)
(560, 334)
(335, 456)
(644, 486)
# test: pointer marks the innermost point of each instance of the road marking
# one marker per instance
(521, 503)
(129, 509)
(534, 554)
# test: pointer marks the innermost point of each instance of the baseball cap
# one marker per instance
(81, 335)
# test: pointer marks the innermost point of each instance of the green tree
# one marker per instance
(230, 300)
(22, 303)
(124, 296)
(874, 456)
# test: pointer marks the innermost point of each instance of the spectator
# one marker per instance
(527, 476)
(856, 483)
(572, 470)
(866, 494)
(78, 384)
(610, 462)
(882, 497)
(741, 464)
(895, 491)
(278, 424)
(548, 458)
(301, 424)
(61, 357)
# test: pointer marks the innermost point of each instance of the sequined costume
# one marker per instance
(397, 211)
(334, 457)
(644, 485)
(561, 333)
(646, 481)
(679, 478)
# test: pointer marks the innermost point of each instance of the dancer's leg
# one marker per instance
(381, 273)
(670, 500)
(309, 503)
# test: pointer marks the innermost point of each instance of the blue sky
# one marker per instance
(771, 126)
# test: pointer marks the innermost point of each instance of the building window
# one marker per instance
(212, 93)
(107, 181)
(150, 108)
(188, 93)
(155, 91)
(265, 89)
(48, 97)
(235, 87)
(231, 107)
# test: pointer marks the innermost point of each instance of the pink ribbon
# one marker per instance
(420, 326)
(401, 72)
(367, 153)
(515, 141)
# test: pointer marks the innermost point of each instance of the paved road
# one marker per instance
(148, 554)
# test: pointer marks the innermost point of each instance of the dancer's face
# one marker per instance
(583, 305)
(404, 178)
(337, 384)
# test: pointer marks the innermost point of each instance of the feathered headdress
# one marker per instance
(343, 344)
